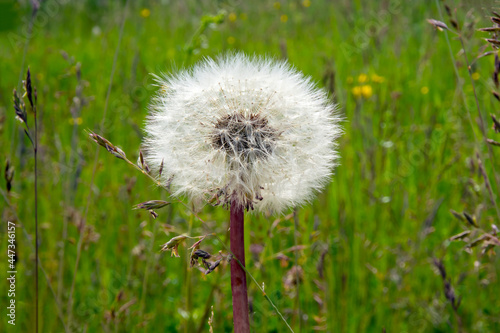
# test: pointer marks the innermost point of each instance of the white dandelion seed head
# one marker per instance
(244, 127)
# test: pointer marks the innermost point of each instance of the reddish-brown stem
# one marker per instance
(238, 276)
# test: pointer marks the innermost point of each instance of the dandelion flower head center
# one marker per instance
(244, 138)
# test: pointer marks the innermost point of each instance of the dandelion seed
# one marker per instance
(246, 127)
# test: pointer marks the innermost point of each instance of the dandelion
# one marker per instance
(284, 18)
(424, 90)
(246, 126)
(233, 17)
(244, 132)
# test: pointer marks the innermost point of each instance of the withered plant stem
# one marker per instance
(238, 276)
(483, 130)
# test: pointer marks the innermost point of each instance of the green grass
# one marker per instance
(407, 158)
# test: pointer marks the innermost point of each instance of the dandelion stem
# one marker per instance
(238, 276)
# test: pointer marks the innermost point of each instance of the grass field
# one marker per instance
(365, 247)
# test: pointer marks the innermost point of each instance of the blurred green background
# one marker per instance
(363, 250)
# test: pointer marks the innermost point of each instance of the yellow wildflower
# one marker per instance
(284, 18)
(367, 91)
(476, 76)
(424, 90)
(232, 17)
(277, 5)
(377, 79)
(231, 40)
(356, 91)
(77, 121)
(306, 3)
(362, 78)
(145, 12)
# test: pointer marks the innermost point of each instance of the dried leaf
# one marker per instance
(152, 204)
(493, 41)
(213, 267)
(438, 24)
(195, 245)
(460, 236)
(496, 123)
(490, 29)
(470, 219)
(477, 241)
(29, 89)
(493, 142)
(457, 215)
(173, 245)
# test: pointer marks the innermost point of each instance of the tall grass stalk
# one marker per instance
(34, 12)
(149, 264)
(35, 150)
(297, 272)
(40, 265)
(187, 282)
(481, 120)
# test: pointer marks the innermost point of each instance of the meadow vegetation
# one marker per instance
(371, 253)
